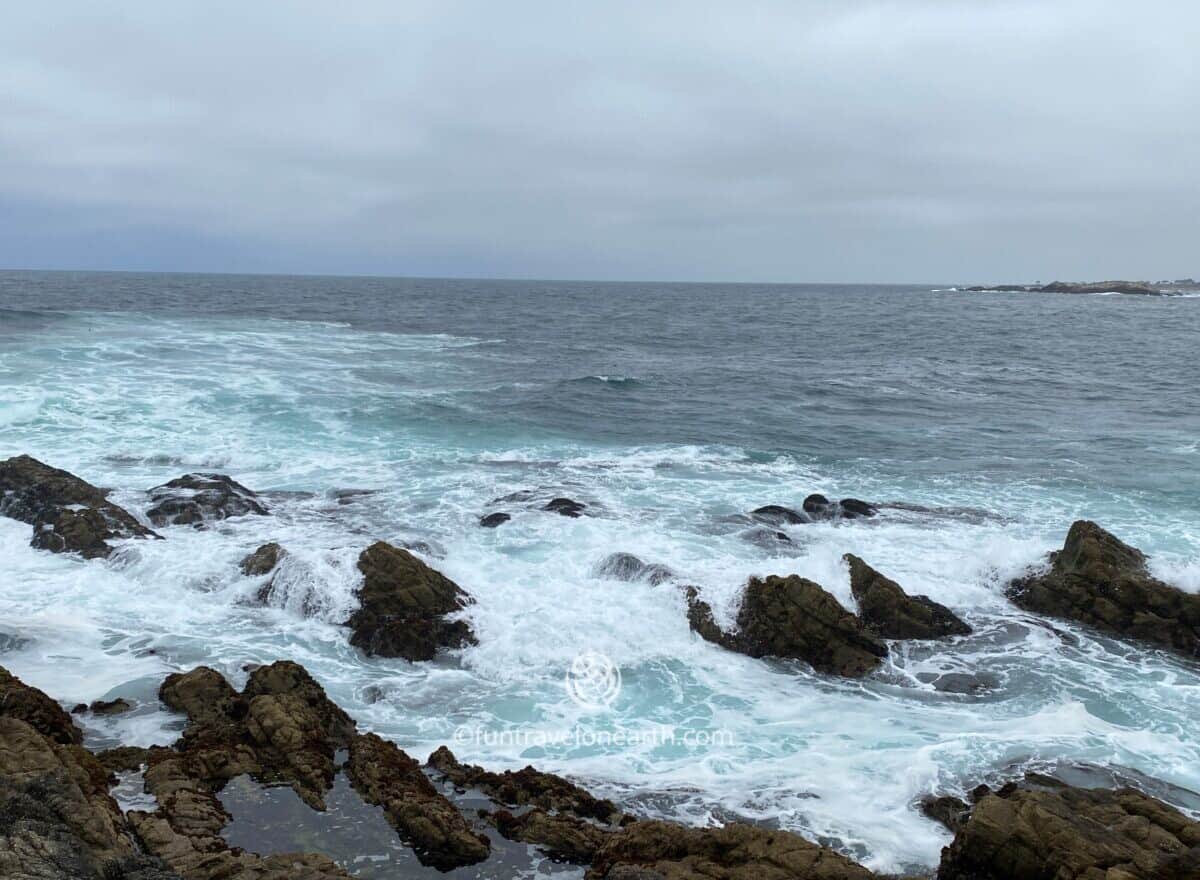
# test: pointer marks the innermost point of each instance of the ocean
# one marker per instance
(405, 409)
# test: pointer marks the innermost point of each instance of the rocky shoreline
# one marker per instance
(58, 817)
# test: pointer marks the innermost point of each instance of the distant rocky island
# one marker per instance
(1142, 288)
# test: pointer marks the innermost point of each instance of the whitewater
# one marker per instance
(369, 409)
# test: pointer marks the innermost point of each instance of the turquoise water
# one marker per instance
(671, 410)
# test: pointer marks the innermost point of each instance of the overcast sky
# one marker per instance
(844, 140)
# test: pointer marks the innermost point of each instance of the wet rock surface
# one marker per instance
(494, 520)
(19, 700)
(195, 499)
(778, 515)
(386, 776)
(68, 515)
(262, 561)
(627, 567)
(654, 849)
(1040, 829)
(818, 507)
(526, 787)
(893, 614)
(565, 507)
(403, 607)
(1099, 580)
(793, 617)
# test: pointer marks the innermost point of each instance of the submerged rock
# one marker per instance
(1048, 830)
(565, 507)
(387, 777)
(404, 604)
(103, 707)
(656, 850)
(793, 617)
(195, 499)
(1099, 580)
(525, 788)
(892, 613)
(627, 567)
(68, 515)
(494, 520)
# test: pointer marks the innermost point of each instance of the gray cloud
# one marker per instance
(931, 140)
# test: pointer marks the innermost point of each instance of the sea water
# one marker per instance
(402, 410)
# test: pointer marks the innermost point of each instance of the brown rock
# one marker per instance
(19, 700)
(526, 787)
(386, 776)
(564, 838)
(1020, 833)
(734, 852)
(893, 614)
(263, 560)
(68, 515)
(795, 618)
(1098, 580)
(403, 608)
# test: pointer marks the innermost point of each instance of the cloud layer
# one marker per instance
(841, 140)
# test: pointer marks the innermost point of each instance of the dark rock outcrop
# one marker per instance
(494, 520)
(194, 499)
(1049, 831)
(387, 777)
(565, 507)
(893, 614)
(1134, 287)
(947, 810)
(68, 515)
(665, 851)
(818, 507)
(19, 700)
(103, 707)
(793, 617)
(1098, 580)
(777, 515)
(404, 604)
(262, 561)
(627, 567)
(524, 788)
(280, 728)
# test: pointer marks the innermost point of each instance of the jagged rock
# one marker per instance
(56, 818)
(68, 515)
(627, 567)
(777, 515)
(494, 520)
(403, 607)
(262, 561)
(946, 810)
(564, 838)
(1098, 580)
(19, 700)
(194, 499)
(565, 507)
(525, 788)
(387, 777)
(1136, 287)
(892, 613)
(1056, 832)
(793, 617)
(735, 852)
